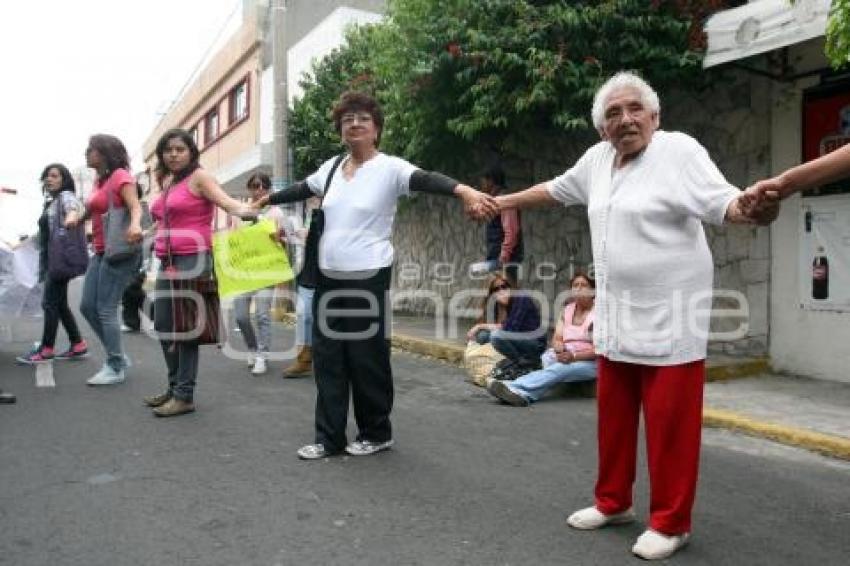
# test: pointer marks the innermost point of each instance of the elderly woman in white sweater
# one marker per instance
(648, 192)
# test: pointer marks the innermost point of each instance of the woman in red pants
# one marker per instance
(648, 192)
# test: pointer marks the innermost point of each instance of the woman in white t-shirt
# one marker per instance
(351, 344)
(647, 193)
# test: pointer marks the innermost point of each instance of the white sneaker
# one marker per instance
(652, 545)
(367, 447)
(591, 518)
(313, 452)
(259, 366)
(106, 376)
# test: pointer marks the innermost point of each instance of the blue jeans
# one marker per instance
(534, 385)
(261, 340)
(517, 346)
(181, 356)
(103, 286)
(304, 316)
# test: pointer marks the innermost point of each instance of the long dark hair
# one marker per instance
(490, 309)
(112, 151)
(162, 171)
(67, 180)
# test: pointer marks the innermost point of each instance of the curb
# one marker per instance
(737, 370)
(826, 444)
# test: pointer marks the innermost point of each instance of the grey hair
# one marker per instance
(623, 79)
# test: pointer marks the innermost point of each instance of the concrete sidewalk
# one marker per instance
(742, 394)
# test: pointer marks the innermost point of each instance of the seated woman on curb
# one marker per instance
(571, 357)
(515, 328)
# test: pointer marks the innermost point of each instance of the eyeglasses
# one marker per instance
(351, 117)
(255, 185)
(502, 287)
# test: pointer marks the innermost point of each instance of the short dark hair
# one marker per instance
(113, 152)
(353, 101)
(262, 178)
(194, 155)
(67, 180)
(495, 173)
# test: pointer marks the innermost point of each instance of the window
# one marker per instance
(194, 133)
(211, 126)
(238, 102)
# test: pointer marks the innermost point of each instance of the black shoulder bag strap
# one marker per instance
(330, 178)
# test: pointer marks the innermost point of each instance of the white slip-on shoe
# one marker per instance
(591, 518)
(652, 545)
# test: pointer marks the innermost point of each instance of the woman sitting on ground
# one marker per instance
(571, 357)
(510, 321)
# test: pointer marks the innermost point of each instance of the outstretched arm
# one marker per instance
(538, 195)
(293, 193)
(209, 188)
(476, 204)
(830, 167)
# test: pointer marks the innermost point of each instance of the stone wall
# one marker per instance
(435, 244)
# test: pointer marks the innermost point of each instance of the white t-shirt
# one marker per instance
(652, 262)
(359, 213)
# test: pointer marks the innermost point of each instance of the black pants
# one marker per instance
(348, 361)
(132, 302)
(55, 305)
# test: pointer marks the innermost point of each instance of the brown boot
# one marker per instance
(303, 366)
(157, 400)
(174, 407)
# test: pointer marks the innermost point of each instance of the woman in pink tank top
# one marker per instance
(571, 357)
(184, 213)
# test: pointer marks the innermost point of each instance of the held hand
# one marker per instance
(478, 205)
(566, 357)
(760, 203)
(247, 211)
(471, 334)
(260, 203)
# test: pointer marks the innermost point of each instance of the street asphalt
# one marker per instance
(89, 477)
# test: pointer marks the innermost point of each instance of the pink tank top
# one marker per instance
(577, 338)
(189, 220)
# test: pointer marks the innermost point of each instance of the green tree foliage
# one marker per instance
(456, 75)
(838, 34)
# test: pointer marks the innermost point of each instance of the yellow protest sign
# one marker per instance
(247, 259)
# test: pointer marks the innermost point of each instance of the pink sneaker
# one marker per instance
(77, 351)
(37, 356)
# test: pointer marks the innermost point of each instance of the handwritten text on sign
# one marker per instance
(248, 259)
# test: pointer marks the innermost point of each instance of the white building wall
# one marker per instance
(323, 39)
(805, 342)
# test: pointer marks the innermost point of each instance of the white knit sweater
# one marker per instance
(652, 263)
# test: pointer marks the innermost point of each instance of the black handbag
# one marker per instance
(309, 275)
(67, 252)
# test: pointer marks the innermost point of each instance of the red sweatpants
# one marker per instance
(671, 397)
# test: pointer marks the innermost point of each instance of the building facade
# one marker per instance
(229, 106)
